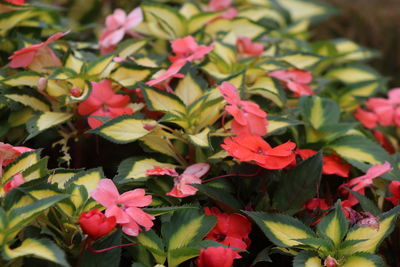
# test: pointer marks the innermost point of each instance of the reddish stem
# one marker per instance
(223, 121)
(85, 243)
(234, 174)
(91, 249)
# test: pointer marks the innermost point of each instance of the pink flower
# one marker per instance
(245, 45)
(368, 119)
(358, 184)
(125, 207)
(186, 50)
(16, 181)
(220, 5)
(394, 189)
(182, 183)
(296, 80)
(104, 102)
(157, 170)
(386, 110)
(38, 56)
(117, 25)
(248, 118)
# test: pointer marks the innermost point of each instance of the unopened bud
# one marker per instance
(42, 84)
(330, 262)
(75, 92)
(150, 125)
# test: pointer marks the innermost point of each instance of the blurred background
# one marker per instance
(371, 23)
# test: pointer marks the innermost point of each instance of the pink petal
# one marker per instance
(118, 101)
(367, 119)
(394, 95)
(184, 45)
(119, 214)
(170, 72)
(135, 17)
(198, 169)
(135, 198)
(110, 38)
(117, 19)
(22, 59)
(106, 193)
(140, 217)
(131, 228)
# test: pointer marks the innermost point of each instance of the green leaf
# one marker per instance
(185, 227)
(334, 225)
(123, 129)
(97, 67)
(89, 178)
(36, 171)
(190, 88)
(109, 258)
(365, 260)
(353, 74)
(281, 229)
(307, 9)
(45, 121)
(30, 101)
(268, 88)
(135, 168)
(20, 164)
(26, 78)
(359, 148)
(220, 195)
(302, 60)
(298, 185)
(319, 112)
(278, 124)
(163, 101)
(164, 210)
(201, 139)
(154, 244)
(40, 248)
(372, 237)
(307, 259)
(129, 76)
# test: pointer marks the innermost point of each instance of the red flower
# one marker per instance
(16, 2)
(384, 142)
(254, 148)
(103, 102)
(216, 257)
(158, 170)
(231, 229)
(368, 119)
(314, 204)
(332, 164)
(394, 189)
(96, 224)
(248, 118)
(295, 80)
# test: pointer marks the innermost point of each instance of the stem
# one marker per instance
(178, 156)
(234, 174)
(91, 249)
(223, 121)
(85, 243)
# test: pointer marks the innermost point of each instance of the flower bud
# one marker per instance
(330, 262)
(42, 84)
(216, 257)
(75, 92)
(95, 224)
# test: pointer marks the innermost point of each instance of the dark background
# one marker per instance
(371, 23)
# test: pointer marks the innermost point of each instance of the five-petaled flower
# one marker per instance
(216, 257)
(104, 102)
(95, 224)
(186, 50)
(117, 25)
(182, 183)
(295, 80)
(231, 229)
(37, 57)
(255, 149)
(248, 118)
(125, 208)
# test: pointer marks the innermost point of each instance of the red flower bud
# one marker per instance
(330, 262)
(75, 92)
(216, 257)
(96, 224)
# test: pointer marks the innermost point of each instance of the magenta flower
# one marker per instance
(103, 102)
(358, 184)
(38, 56)
(295, 80)
(182, 183)
(125, 208)
(117, 25)
(186, 50)
(248, 118)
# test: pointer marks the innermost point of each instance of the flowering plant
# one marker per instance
(208, 133)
